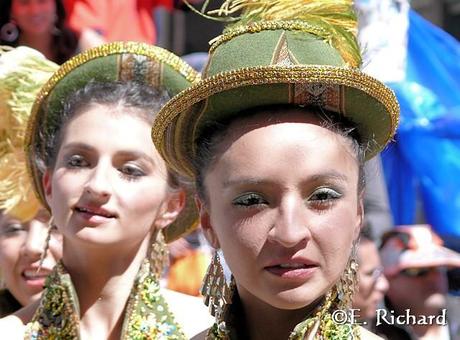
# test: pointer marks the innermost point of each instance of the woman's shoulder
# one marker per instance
(189, 311)
(367, 335)
(201, 335)
(13, 326)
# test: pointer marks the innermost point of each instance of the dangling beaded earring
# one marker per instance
(348, 282)
(159, 255)
(9, 31)
(47, 243)
(217, 294)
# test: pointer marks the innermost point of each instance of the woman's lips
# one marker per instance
(292, 270)
(35, 279)
(94, 215)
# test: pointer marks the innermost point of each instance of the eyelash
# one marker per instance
(128, 172)
(74, 159)
(244, 200)
(323, 202)
(316, 199)
(12, 229)
(135, 175)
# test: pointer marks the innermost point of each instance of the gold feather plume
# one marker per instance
(333, 20)
(23, 71)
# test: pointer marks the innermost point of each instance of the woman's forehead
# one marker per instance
(270, 115)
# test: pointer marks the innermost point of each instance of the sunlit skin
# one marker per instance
(110, 171)
(21, 247)
(283, 190)
(34, 17)
(372, 284)
(108, 192)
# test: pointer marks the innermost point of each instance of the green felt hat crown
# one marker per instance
(119, 61)
(298, 52)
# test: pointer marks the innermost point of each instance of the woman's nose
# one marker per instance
(290, 226)
(382, 284)
(98, 183)
(34, 245)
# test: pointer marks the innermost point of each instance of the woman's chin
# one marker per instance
(295, 299)
(95, 237)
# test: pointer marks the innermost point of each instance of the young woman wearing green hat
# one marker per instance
(111, 196)
(275, 136)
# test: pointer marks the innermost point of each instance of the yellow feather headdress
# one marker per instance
(23, 71)
(333, 20)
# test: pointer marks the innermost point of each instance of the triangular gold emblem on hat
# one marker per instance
(282, 56)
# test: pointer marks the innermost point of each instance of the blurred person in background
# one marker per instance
(23, 273)
(189, 258)
(415, 264)
(24, 260)
(39, 24)
(100, 21)
(372, 284)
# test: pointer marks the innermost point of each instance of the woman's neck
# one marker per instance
(103, 279)
(264, 321)
(40, 42)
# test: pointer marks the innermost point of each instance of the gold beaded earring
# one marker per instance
(159, 255)
(348, 282)
(217, 294)
(47, 243)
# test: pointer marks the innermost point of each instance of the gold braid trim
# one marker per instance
(150, 51)
(349, 52)
(262, 75)
(332, 20)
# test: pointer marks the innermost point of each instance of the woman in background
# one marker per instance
(39, 24)
(24, 261)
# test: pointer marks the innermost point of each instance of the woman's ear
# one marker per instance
(360, 215)
(171, 209)
(46, 183)
(205, 221)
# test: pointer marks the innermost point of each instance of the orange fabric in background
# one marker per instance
(186, 274)
(116, 19)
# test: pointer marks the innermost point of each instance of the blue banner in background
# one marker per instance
(424, 161)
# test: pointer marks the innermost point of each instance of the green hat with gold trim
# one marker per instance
(299, 52)
(118, 61)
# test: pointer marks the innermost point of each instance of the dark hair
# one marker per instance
(366, 233)
(146, 99)
(65, 42)
(215, 132)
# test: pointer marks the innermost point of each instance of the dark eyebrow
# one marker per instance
(244, 181)
(136, 155)
(120, 153)
(332, 175)
(329, 175)
(79, 146)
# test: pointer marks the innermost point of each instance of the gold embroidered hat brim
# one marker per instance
(118, 61)
(179, 122)
(274, 63)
